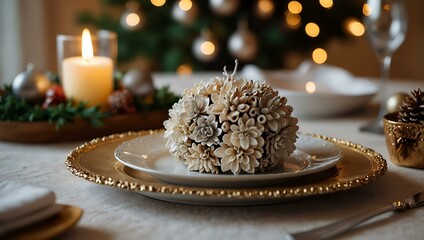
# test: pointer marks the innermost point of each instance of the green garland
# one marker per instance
(13, 108)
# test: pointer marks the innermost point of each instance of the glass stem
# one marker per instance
(385, 62)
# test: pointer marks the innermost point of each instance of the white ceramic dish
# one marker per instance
(149, 154)
(335, 91)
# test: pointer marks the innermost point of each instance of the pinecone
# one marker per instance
(412, 109)
(121, 101)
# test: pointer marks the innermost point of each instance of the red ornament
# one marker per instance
(54, 96)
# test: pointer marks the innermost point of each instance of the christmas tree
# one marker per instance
(205, 35)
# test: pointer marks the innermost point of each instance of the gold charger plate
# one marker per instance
(95, 162)
(50, 227)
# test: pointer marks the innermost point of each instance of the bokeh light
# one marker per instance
(184, 69)
(310, 87)
(185, 5)
(266, 6)
(158, 3)
(326, 3)
(132, 19)
(207, 48)
(294, 7)
(312, 29)
(354, 27)
(366, 9)
(319, 56)
(293, 20)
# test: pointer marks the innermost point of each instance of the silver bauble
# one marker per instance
(205, 47)
(30, 85)
(243, 44)
(127, 24)
(395, 101)
(138, 82)
(224, 7)
(132, 19)
(186, 13)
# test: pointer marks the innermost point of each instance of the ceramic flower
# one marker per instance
(202, 159)
(205, 130)
(237, 158)
(232, 125)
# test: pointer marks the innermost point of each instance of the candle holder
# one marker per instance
(105, 43)
(86, 67)
(405, 141)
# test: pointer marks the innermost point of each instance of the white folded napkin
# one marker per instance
(21, 205)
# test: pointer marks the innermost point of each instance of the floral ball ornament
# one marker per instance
(230, 124)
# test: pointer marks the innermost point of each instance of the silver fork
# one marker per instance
(334, 229)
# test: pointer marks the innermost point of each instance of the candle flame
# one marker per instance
(87, 46)
(310, 87)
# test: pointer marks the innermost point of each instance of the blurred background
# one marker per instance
(185, 35)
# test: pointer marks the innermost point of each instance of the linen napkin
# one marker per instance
(22, 205)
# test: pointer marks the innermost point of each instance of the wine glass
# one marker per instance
(386, 23)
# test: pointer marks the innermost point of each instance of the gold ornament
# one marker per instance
(395, 101)
(30, 85)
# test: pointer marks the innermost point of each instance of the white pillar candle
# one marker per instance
(88, 78)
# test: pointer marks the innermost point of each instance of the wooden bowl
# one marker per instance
(80, 130)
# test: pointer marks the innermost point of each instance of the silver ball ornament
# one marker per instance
(132, 19)
(395, 101)
(224, 7)
(205, 47)
(184, 11)
(31, 85)
(138, 82)
(243, 44)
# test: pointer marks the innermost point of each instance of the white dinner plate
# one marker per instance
(149, 155)
(95, 161)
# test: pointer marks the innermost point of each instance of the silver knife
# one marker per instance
(334, 229)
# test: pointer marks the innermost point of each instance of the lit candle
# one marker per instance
(88, 78)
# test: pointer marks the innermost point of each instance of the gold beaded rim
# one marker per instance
(379, 167)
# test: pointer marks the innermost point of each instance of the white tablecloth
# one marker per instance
(111, 213)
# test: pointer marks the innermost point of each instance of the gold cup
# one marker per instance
(405, 141)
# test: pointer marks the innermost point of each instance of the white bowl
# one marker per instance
(334, 94)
